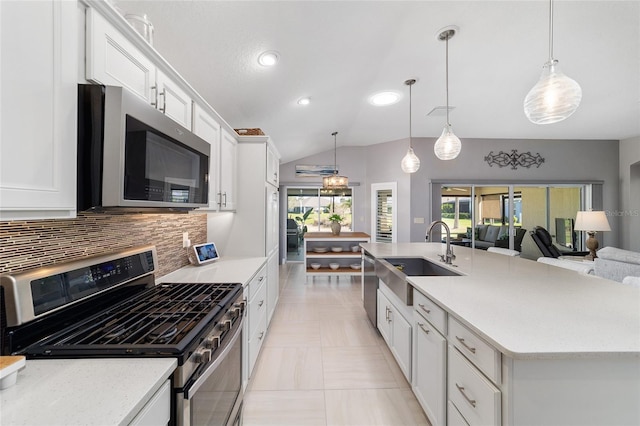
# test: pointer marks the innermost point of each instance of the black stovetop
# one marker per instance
(163, 320)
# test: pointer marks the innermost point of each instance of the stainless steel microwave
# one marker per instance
(131, 157)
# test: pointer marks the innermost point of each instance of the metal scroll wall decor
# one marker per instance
(515, 160)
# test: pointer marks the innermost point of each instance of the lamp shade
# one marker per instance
(448, 146)
(553, 98)
(592, 221)
(335, 182)
(410, 162)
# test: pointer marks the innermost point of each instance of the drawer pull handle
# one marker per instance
(262, 335)
(424, 309)
(261, 278)
(461, 340)
(469, 400)
(260, 303)
(426, 330)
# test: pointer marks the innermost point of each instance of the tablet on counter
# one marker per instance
(205, 253)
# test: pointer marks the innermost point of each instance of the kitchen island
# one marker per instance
(546, 345)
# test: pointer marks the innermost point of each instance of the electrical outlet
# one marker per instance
(185, 240)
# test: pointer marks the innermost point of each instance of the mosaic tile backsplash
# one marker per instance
(29, 244)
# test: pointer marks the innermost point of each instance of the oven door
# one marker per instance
(215, 398)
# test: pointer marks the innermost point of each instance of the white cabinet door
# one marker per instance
(401, 347)
(384, 315)
(158, 410)
(273, 284)
(272, 208)
(273, 167)
(228, 160)
(205, 126)
(38, 109)
(429, 368)
(111, 59)
(173, 101)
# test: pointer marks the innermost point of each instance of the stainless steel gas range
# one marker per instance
(109, 306)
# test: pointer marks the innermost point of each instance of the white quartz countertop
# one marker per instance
(223, 270)
(83, 391)
(528, 309)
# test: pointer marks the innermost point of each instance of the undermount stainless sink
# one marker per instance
(417, 266)
(394, 272)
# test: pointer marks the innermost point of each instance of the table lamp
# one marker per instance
(591, 222)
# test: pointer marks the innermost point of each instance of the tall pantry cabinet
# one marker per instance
(254, 230)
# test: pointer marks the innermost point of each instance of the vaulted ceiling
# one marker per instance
(339, 53)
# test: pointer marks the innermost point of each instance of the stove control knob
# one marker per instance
(212, 342)
(225, 325)
(236, 312)
(202, 356)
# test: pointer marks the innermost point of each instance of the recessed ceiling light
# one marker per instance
(384, 98)
(304, 101)
(268, 58)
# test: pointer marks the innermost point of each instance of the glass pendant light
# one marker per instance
(335, 181)
(448, 145)
(410, 163)
(555, 96)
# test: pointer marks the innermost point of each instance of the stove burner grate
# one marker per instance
(166, 314)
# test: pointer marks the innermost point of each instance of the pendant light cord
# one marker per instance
(447, 75)
(551, 31)
(335, 149)
(410, 114)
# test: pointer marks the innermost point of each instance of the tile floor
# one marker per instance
(324, 364)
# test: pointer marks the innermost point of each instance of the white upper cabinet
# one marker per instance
(205, 126)
(173, 101)
(273, 167)
(228, 167)
(38, 113)
(111, 59)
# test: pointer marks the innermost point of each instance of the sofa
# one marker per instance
(496, 236)
(616, 264)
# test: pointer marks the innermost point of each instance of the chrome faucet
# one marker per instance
(449, 256)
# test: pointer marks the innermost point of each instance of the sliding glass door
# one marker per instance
(308, 210)
(483, 216)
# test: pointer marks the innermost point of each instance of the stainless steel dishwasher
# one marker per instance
(370, 288)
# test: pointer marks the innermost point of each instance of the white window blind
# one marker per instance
(384, 218)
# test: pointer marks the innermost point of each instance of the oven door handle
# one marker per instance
(189, 392)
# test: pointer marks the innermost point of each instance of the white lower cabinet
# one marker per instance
(429, 370)
(256, 321)
(456, 374)
(273, 284)
(477, 399)
(395, 330)
(454, 417)
(158, 410)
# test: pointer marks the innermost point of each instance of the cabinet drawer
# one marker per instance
(430, 311)
(480, 353)
(257, 281)
(477, 399)
(255, 342)
(454, 417)
(257, 308)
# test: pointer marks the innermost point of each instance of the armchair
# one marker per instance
(543, 240)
